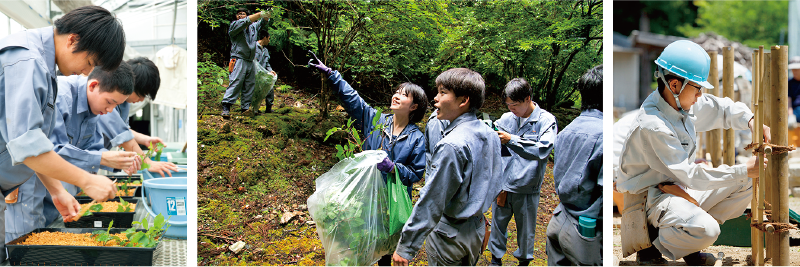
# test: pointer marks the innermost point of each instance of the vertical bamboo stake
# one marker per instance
(780, 162)
(729, 151)
(760, 186)
(714, 136)
(756, 238)
(766, 90)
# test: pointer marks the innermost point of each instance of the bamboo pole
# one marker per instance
(756, 238)
(729, 151)
(714, 136)
(780, 136)
(766, 90)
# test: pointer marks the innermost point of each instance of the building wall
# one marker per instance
(626, 80)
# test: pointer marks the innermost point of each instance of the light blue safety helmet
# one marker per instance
(687, 60)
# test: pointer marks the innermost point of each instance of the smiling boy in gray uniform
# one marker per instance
(449, 213)
(528, 132)
(244, 35)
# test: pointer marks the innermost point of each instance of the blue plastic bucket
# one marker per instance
(167, 196)
(146, 175)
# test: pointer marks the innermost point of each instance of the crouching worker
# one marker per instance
(402, 140)
(448, 217)
(685, 202)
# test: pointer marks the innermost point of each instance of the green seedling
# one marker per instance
(94, 208)
(354, 141)
(105, 236)
(142, 239)
(123, 206)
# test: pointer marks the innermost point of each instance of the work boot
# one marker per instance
(226, 110)
(268, 110)
(496, 261)
(524, 262)
(650, 256)
(700, 259)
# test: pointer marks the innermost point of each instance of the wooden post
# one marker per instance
(729, 151)
(756, 237)
(780, 162)
(714, 136)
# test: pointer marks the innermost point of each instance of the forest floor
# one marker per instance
(254, 172)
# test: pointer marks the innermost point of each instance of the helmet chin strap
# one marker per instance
(660, 75)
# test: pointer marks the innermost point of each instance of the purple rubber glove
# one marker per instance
(321, 66)
(386, 165)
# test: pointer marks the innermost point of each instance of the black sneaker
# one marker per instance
(700, 259)
(268, 110)
(524, 262)
(496, 261)
(650, 256)
(226, 110)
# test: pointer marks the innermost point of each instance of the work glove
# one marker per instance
(386, 165)
(319, 65)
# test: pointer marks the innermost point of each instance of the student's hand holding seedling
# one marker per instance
(99, 187)
(119, 159)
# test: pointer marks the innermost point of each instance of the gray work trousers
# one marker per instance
(242, 80)
(456, 242)
(3, 229)
(26, 214)
(566, 246)
(523, 207)
(684, 228)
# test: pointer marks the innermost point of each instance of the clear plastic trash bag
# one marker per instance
(350, 208)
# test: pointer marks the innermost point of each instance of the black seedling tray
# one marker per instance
(33, 255)
(102, 219)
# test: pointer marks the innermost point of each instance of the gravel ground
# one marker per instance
(734, 256)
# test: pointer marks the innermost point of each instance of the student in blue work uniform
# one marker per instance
(578, 175)
(528, 133)
(115, 126)
(83, 38)
(79, 103)
(448, 217)
(243, 32)
(402, 140)
(262, 56)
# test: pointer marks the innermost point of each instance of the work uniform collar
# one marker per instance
(83, 100)
(669, 112)
(388, 130)
(466, 117)
(594, 113)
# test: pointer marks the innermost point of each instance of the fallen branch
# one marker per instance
(290, 61)
(216, 236)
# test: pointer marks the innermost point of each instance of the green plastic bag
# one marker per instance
(399, 204)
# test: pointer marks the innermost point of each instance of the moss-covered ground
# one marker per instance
(254, 170)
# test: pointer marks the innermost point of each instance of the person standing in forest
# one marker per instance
(244, 36)
(402, 140)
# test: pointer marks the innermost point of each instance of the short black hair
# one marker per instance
(263, 32)
(464, 82)
(146, 77)
(590, 85)
(669, 77)
(99, 33)
(117, 80)
(242, 9)
(517, 89)
(418, 97)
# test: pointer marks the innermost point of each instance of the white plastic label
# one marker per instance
(98, 224)
(176, 206)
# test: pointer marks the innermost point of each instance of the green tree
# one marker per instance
(546, 42)
(752, 23)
